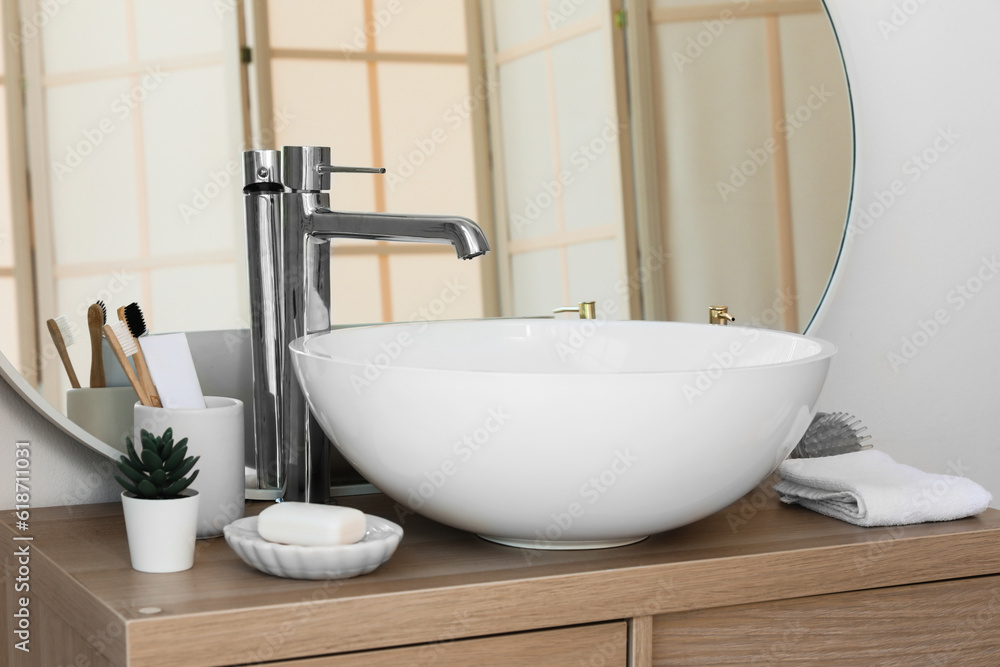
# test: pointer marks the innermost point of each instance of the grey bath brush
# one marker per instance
(831, 433)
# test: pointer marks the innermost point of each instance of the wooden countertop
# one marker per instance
(444, 584)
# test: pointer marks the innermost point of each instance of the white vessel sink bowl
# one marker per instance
(563, 434)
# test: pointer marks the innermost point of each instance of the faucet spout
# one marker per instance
(465, 235)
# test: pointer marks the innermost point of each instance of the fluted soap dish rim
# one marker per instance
(315, 562)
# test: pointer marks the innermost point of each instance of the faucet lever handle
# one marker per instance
(331, 169)
(586, 309)
(308, 168)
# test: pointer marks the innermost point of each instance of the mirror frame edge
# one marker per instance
(844, 250)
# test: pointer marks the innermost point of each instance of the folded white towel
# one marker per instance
(869, 488)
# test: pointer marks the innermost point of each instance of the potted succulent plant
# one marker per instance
(161, 513)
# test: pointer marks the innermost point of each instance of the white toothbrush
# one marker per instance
(63, 336)
(124, 346)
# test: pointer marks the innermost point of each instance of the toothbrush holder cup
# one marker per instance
(215, 433)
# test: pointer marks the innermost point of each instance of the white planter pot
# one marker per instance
(161, 533)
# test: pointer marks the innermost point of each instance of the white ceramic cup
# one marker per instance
(105, 413)
(215, 433)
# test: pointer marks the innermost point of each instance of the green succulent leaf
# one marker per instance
(129, 471)
(158, 477)
(131, 488)
(180, 485)
(133, 457)
(181, 444)
(176, 458)
(150, 460)
(184, 468)
(168, 450)
(147, 490)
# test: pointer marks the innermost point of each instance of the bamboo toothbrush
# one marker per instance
(136, 323)
(141, 369)
(97, 317)
(63, 336)
(124, 346)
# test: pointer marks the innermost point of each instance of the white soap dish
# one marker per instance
(298, 562)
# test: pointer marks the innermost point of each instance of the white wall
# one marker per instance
(924, 79)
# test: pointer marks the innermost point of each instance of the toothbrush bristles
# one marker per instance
(134, 319)
(125, 338)
(104, 313)
(69, 336)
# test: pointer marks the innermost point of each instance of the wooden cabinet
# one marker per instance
(602, 644)
(775, 585)
(943, 623)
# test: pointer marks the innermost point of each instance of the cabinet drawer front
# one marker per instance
(948, 622)
(602, 644)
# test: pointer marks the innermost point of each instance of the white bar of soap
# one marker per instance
(309, 524)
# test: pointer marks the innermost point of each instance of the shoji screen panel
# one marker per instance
(710, 112)
(135, 133)
(753, 155)
(387, 83)
(560, 157)
(819, 151)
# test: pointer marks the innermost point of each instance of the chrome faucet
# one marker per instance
(289, 225)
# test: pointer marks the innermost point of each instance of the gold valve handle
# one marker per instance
(719, 315)
(587, 310)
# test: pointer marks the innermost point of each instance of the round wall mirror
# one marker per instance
(657, 156)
